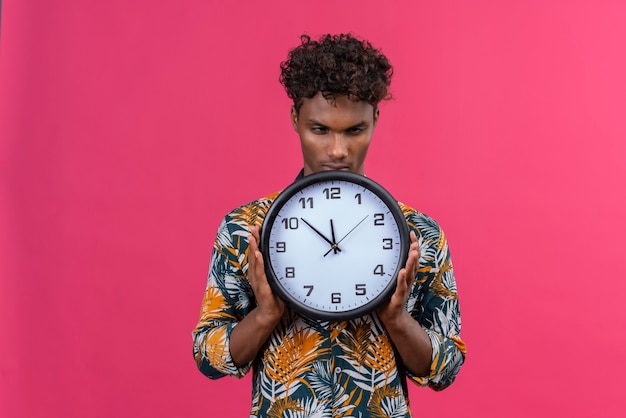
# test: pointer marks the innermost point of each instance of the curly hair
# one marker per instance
(336, 65)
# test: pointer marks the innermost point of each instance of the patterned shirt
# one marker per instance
(316, 368)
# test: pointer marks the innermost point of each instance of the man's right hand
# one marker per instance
(270, 307)
(254, 329)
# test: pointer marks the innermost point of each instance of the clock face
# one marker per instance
(333, 244)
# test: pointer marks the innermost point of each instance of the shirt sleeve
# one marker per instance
(434, 304)
(227, 299)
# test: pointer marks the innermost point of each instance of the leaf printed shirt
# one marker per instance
(315, 368)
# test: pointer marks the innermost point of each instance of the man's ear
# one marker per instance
(376, 114)
(294, 118)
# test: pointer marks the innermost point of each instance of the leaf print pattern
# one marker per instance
(281, 407)
(380, 356)
(289, 357)
(313, 368)
(387, 402)
(356, 340)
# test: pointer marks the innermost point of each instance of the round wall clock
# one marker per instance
(333, 244)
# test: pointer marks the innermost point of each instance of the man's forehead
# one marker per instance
(320, 106)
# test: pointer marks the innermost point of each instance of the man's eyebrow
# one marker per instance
(312, 121)
(361, 124)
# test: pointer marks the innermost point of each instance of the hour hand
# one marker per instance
(336, 245)
(333, 245)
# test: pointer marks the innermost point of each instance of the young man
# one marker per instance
(304, 367)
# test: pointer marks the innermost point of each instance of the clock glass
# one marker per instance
(333, 244)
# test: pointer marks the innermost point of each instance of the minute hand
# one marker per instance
(333, 245)
(349, 232)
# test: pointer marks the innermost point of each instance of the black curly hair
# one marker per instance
(336, 65)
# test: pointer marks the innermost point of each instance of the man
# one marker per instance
(304, 367)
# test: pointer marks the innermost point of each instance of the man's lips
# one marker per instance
(328, 167)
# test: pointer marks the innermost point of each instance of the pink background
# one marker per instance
(128, 129)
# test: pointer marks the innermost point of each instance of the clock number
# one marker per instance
(379, 270)
(281, 247)
(335, 297)
(359, 289)
(290, 223)
(310, 288)
(290, 272)
(387, 243)
(332, 193)
(306, 201)
(358, 198)
(379, 219)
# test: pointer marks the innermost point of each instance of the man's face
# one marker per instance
(334, 135)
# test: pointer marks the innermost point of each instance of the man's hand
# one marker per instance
(254, 329)
(270, 308)
(395, 308)
(408, 336)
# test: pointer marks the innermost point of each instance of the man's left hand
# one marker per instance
(395, 308)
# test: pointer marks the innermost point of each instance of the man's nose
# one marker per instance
(338, 148)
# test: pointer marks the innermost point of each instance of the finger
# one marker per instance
(414, 255)
(255, 257)
(402, 287)
(414, 244)
(413, 261)
(253, 251)
(253, 246)
(256, 233)
(259, 265)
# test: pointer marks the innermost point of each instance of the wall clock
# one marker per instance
(333, 244)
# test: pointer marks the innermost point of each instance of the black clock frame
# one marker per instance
(329, 176)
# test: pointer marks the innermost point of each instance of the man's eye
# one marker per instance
(355, 131)
(319, 130)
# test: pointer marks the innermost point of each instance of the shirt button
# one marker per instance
(337, 370)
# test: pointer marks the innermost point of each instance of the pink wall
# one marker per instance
(128, 129)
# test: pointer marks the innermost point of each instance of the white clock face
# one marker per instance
(334, 248)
